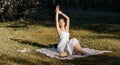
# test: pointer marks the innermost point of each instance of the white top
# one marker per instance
(66, 45)
(64, 38)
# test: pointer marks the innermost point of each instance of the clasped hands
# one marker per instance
(58, 11)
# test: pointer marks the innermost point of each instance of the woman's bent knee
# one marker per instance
(75, 40)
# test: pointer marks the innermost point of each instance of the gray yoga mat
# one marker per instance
(53, 53)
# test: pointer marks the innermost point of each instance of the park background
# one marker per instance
(31, 24)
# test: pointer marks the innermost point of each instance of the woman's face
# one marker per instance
(62, 22)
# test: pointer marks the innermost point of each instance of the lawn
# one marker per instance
(18, 35)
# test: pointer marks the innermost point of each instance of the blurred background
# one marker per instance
(31, 24)
(11, 10)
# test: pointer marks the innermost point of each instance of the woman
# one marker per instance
(66, 47)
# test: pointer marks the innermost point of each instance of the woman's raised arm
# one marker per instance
(68, 20)
(57, 22)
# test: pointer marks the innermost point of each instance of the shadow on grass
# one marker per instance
(34, 43)
(18, 24)
(104, 59)
(14, 59)
(99, 28)
(46, 23)
(104, 37)
(20, 61)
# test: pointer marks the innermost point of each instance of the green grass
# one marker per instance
(97, 30)
(14, 37)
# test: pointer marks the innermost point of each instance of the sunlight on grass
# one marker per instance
(40, 34)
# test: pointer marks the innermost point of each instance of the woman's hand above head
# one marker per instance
(57, 22)
(57, 8)
(58, 11)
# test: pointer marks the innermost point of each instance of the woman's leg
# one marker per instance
(78, 48)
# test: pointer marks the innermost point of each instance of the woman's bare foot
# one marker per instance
(76, 52)
(63, 54)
